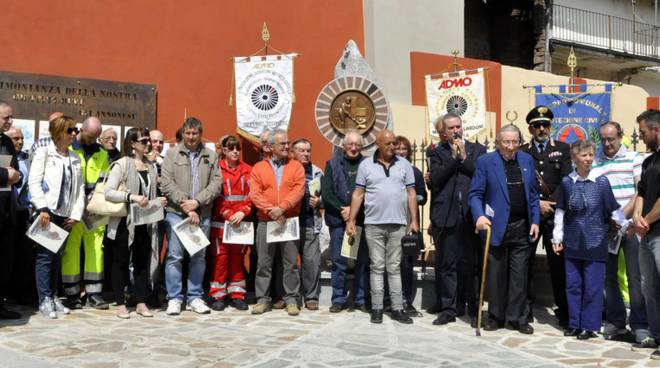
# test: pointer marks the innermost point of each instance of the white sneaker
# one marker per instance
(47, 308)
(198, 306)
(59, 307)
(173, 307)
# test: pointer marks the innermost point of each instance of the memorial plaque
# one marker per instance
(35, 97)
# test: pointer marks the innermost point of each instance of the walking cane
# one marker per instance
(483, 279)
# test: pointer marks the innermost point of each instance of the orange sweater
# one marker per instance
(265, 194)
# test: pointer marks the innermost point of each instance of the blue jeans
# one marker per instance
(649, 267)
(48, 265)
(340, 266)
(175, 253)
(616, 309)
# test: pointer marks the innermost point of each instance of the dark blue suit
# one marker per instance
(489, 187)
(508, 259)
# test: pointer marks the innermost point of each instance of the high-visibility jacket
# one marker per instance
(94, 167)
(234, 197)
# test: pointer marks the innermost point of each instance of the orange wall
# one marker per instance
(422, 64)
(184, 48)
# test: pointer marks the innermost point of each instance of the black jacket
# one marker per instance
(450, 183)
(7, 210)
(551, 166)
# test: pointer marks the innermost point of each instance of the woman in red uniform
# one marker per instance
(233, 206)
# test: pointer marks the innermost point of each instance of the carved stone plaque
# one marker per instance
(35, 97)
(351, 103)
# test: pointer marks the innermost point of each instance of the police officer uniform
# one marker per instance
(553, 161)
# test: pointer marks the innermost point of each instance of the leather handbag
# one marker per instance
(98, 205)
(412, 244)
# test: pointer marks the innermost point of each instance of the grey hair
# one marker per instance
(580, 146)
(271, 136)
(509, 128)
(192, 123)
(4, 103)
(352, 132)
(445, 117)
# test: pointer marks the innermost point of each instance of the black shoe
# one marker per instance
(361, 307)
(218, 305)
(336, 308)
(525, 328)
(96, 301)
(7, 314)
(435, 308)
(569, 332)
(646, 344)
(239, 304)
(586, 335)
(400, 316)
(492, 325)
(376, 316)
(72, 302)
(473, 322)
(411, 311)
(460, 312)
(443, 319)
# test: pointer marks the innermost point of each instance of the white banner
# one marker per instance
(459, 93)
(264, 92)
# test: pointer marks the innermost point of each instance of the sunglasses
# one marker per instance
(144, 140)
(233, 148)
(545, 124)
(72, 130)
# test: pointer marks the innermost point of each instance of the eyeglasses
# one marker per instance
(143, 140)
(72, 130)
(510, 143)
(233, 148)
(538, 124)
(356, 145)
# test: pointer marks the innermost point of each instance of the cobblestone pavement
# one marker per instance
(97, 339)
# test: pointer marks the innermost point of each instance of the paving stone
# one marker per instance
(273, 363)
(573, 361)
(109, 347)
(621, 363)
(621, 353)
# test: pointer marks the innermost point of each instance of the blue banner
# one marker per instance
(577, 116)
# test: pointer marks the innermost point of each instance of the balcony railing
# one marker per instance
(605, 31)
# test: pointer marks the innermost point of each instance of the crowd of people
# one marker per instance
(590, 204)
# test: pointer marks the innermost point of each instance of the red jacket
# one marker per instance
(234, 197)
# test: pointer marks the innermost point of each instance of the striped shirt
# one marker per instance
(621, 171)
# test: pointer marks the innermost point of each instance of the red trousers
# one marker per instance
(228, 278)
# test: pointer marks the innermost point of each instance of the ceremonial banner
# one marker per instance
(577, 116)
(264, 92)
(460, 93)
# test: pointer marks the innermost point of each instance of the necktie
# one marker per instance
(541, 148)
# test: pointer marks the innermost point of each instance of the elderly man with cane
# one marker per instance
(504, 195)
